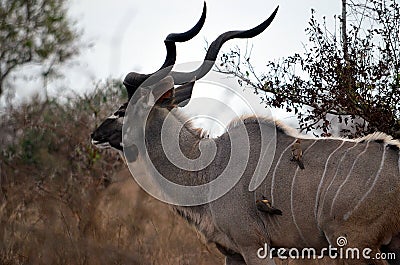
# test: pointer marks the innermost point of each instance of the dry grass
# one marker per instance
(117, 225)
(160, 236)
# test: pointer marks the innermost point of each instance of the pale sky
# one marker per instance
(128, 35)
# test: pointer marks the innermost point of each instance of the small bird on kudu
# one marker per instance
(297, 153)
(265, 206)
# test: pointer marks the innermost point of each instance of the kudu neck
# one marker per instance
(170, 128)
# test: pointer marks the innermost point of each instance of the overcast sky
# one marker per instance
(128, 34)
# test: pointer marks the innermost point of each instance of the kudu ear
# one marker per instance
(176, 96)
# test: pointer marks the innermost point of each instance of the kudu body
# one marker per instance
(348, 188)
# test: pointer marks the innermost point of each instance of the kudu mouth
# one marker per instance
(109, 133)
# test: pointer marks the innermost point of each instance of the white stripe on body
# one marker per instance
(349, 213)
(334, 177)
(322, 179)
(347, 177)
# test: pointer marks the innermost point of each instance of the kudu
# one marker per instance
(349, 188)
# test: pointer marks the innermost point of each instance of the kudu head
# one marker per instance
(109, 133)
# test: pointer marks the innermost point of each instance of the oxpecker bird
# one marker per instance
(297, 153)
(265, 206)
